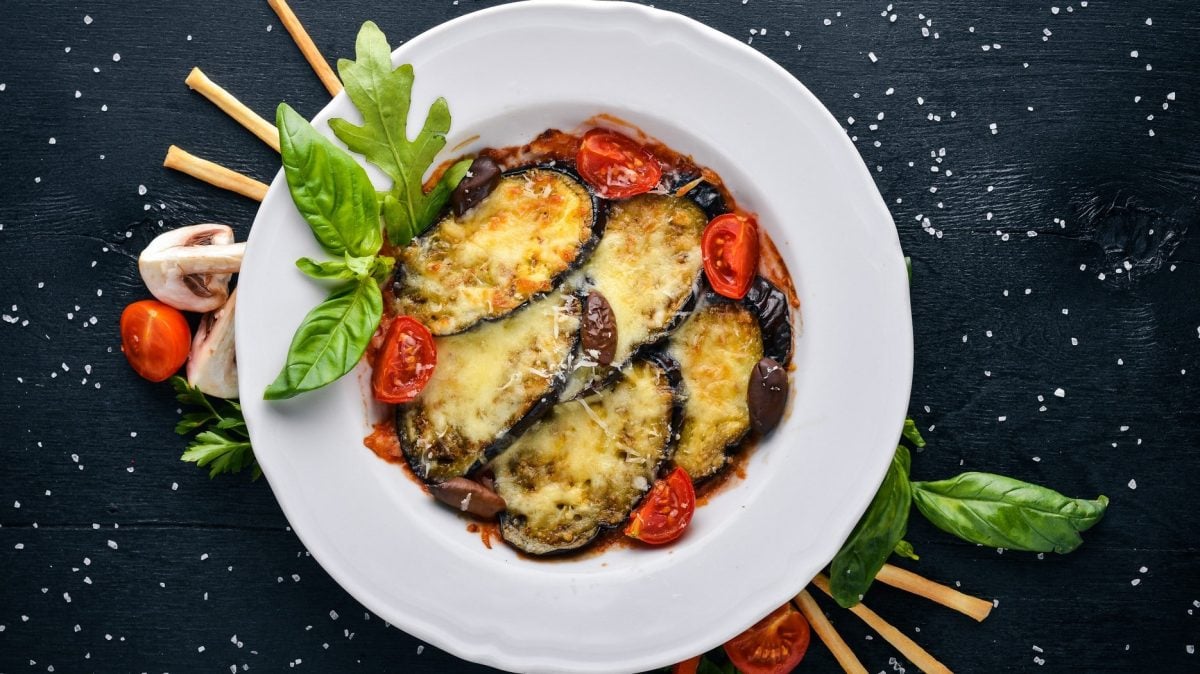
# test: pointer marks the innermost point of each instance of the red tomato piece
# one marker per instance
(616, 165)
(774, 645)
(155, 338)
(666, 512)
(688, 666)
(730, 250)
(405, 363)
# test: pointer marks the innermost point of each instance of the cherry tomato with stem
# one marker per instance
(774, 645)
(155, 338)
(405, 363)
(730, 250)
(666, 511)
(616, 165)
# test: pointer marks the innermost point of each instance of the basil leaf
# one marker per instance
(331, 270)
(383, 96)
(1002, 512)
(854, 567)
(381, 268)
(911, 434)
(331, 339)
(329, 188)
(707, 666)
(905, 549)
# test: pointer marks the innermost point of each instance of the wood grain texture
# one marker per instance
(1020, 227)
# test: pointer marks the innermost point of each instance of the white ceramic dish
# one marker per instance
(509, 73)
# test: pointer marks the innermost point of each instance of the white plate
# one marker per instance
(509, 73)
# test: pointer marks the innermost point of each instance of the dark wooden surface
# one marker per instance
(1064, 255)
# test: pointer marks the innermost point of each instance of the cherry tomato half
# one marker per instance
(730, 249)
(616, 165)
(666, 512)
(155, 338)
(774, 645)
(689, 666)
(405, 363)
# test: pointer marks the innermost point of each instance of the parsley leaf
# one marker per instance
(221, 453)
(225, 446)
(383, 96)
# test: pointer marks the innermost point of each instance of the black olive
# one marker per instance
(468, 496)
(481, 179)
(599, 329)
(767, 395)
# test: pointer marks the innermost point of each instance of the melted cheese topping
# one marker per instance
(511, 246)
(487, 380)
(647, 265)
(586, 465)
(717, 349)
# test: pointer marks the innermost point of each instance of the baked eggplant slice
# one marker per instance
(588, 463)
(770, 305)
(514, 245)
(490, 384)
(717, 348)
(648, 267)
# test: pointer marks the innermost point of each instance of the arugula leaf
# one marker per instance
(227, 448)
(383, 96)
(329, 187)
(1003, 512)
(330, 340)
(881, 528)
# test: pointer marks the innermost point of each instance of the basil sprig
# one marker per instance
(338, 201)
(981, 508)
(1001, 512)
(336, 198)
(878, 533)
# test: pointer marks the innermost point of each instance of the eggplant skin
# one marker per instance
(489, 386)
(649, 267)
(704, 194)
(717, 349)
(770, 305)
(517, 244)
(585, 467)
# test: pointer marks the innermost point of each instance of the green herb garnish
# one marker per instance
(981, 508)
(1001, 512)
(339, 203)
(383, 96)
(225, 446)
(877, 534)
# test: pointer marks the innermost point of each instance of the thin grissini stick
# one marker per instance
(307, 47)
(231, 106)
(907, 647)
(214, 174)
(829, 636)
(946, 596)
